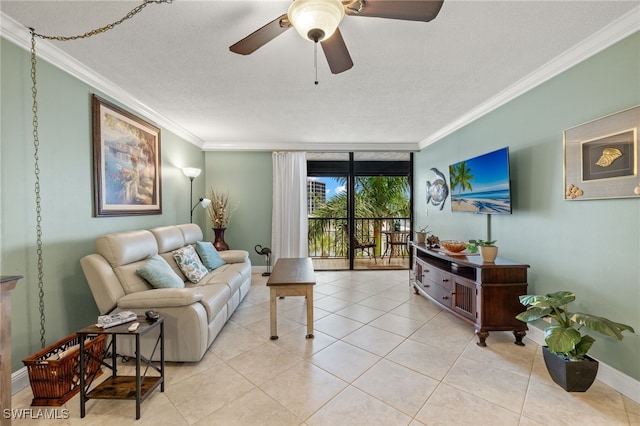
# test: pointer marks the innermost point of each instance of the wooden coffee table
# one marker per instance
(292, 277)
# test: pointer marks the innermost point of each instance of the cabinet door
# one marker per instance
(440, 294)
(464, 297)
(437, 276)
(418, 270)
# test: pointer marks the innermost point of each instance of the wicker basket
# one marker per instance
(54, 381)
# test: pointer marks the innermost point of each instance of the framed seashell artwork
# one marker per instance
(601, 157)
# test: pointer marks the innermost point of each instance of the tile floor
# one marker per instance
(381, 356)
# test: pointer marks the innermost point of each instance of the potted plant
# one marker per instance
(488, 249)
(566, 352)
(421, 234)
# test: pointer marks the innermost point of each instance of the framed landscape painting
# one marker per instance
(601, 158)
(126, 154)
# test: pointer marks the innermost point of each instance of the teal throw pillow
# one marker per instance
(157, 271)
(190, 264)
(209, 255)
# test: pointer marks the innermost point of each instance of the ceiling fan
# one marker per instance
(318, 20)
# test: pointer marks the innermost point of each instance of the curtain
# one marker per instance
(289, 224)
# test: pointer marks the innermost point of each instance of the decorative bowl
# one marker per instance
(453, 246)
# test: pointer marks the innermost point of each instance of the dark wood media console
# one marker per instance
(483, 294)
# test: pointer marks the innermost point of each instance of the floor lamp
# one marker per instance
(192, 173)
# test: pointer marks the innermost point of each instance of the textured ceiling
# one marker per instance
(410, 81)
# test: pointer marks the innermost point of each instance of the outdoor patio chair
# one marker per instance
(397, 244)
(358, 245)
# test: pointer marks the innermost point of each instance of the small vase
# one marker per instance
(219, 242)
(421, 237)
(488, 253)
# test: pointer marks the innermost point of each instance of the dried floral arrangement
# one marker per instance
(220, 210)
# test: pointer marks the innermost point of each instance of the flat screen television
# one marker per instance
(481, 184)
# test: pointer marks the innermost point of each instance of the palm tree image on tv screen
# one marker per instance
(481, 184)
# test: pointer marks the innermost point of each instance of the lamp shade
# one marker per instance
(316, 20)
(204, 202)
(191, 172)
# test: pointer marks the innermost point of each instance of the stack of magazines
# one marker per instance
(106, 321)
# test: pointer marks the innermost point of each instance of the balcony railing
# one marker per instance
(328, 237)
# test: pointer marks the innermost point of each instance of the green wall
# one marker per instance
(589, 247)
(66, 173)
(247, 177)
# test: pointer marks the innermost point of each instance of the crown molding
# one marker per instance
(16, 33)
(614, 32)
(310, 146)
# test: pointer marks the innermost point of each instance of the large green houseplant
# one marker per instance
(564, 338)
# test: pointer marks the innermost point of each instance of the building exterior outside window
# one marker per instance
(316, 195)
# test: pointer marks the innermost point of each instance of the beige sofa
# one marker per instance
(194, 315)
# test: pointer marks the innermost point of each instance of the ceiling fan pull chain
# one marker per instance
(315, 60)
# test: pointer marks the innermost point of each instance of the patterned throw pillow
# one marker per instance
(157, 271)
(190, 264)
(209, 255)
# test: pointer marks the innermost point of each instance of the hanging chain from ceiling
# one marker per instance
(104, 29)
(36, 140)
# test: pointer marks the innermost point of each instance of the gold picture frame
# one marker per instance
(126, 154)
(601, 158)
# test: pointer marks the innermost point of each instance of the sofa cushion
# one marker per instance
(214, 298)
(172, 262)
(160, 298)
(190, 264)
(130, 280)
(191, 232)
(226, 274)
(168, 238)
(157, 271)
(243, 268)
(234, 256)
(105, 285)
(209, 255)
(122, 248)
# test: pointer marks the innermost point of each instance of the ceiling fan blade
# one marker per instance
(410, 10)
(262, 36)
(335, 50)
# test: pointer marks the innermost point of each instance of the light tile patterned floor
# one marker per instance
(381, 356)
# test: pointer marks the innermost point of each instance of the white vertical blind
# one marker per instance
(289, 236)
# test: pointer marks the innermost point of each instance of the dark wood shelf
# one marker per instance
(481, 293)
(124, 387)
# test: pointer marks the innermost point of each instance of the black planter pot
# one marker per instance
(572, 376)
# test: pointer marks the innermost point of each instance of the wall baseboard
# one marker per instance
(19, 380)
(258, 269)
(626, 385)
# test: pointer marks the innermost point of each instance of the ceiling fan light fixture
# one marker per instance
(316, 20)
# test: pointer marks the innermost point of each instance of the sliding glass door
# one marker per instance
(359, 208)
